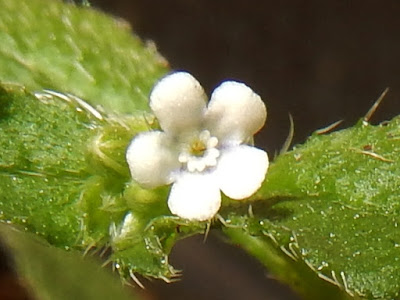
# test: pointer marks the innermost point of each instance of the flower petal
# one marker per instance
(241, 171)
(178, 101)
(195, 196)
(151, 160)
(235, 112)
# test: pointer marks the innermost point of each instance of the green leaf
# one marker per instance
(64, 177)
(42, 164)
(52, 273)
(56, 175)
(332, 204)
(63, 170)
(51, 45)
(145, 249)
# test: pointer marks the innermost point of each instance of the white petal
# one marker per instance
(235, 112)
(195, 196)
(178, 101)
(241, 171)
(151, 160)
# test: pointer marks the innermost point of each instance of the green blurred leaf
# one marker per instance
(52, 273)
(46, 44)
(333, 204)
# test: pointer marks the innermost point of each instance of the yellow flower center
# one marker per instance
(197, 148)
(200, 153)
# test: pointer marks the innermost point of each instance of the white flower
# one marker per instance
(201, 149)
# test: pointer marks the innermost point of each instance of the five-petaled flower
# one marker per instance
(202, 149)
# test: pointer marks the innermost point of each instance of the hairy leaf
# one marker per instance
(64, 177)
(333, 204)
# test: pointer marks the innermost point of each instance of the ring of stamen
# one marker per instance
(201, 152)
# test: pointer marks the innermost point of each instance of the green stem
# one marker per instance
(294, 273)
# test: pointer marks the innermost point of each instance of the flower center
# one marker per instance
(198, 147)
(200, 153)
